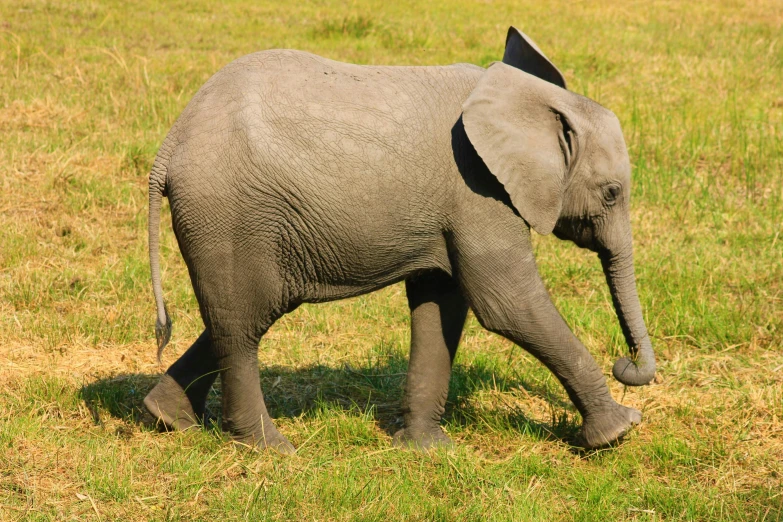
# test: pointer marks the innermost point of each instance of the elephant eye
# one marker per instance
(611, 193)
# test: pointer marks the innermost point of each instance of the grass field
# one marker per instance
(88, 91)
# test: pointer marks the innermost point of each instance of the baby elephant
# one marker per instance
(297, 179)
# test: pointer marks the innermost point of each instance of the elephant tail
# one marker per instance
(157, 190)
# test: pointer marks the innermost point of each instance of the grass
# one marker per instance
(88, 91)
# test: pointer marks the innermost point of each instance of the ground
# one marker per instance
(88, 90)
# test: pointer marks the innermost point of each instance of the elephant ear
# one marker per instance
(517, 123)
(523, 53)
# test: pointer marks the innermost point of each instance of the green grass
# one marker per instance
(89, 90)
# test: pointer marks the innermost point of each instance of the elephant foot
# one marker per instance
(169, 404)
(607, 427)
(270, 439)
(422, 440)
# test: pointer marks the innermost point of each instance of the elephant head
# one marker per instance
(562, 160)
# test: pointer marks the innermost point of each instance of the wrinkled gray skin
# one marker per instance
(293, 179)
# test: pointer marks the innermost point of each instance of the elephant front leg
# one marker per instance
(438, 313)
(179, 399)
(509, 298)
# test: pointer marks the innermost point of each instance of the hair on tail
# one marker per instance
(163, 332)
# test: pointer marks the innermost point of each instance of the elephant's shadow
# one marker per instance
(374, 389)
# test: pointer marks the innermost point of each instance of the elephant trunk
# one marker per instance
(639, 368)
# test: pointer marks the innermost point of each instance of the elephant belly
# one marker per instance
(335, 255)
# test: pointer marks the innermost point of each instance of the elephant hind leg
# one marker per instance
(438, 313)
(178, 401)
(245, 416)
(229, 348)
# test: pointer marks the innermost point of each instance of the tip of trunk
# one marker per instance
(637, 371)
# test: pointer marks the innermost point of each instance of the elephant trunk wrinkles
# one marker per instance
(639, 368)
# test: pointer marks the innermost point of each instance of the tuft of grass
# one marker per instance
(357, 26)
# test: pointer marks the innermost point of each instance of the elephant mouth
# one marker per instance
(580, 231)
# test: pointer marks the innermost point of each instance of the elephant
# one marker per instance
(293, 178)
